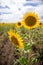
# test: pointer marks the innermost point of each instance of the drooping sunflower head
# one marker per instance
(15, 39)
(30, 20)
(18, 24)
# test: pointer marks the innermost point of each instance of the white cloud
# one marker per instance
(34, 1)
(39, 11)
(17, 14)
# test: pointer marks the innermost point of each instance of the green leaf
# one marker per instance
(23, 61)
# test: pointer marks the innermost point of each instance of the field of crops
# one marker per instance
(21, 44)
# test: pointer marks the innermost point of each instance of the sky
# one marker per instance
(14, 10)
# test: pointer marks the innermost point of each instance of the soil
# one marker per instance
(6, 50)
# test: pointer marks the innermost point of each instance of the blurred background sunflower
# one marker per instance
(18, 24)
(15, 39)
(30, 20)
(41, 24)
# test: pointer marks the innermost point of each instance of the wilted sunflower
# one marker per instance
(15, 39)
(18, 24)
(30, 20)
(41, 24)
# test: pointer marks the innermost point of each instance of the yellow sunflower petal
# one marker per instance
(15, 39)
(30, 20)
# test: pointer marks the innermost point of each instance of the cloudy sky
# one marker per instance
(13, 10)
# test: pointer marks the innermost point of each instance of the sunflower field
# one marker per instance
(21, 43)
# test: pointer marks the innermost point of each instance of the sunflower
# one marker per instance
(18, 24)
(15, 39)
(30, 20)
(41, 24)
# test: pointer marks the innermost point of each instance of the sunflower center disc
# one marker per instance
(14, 40)
(30, 21)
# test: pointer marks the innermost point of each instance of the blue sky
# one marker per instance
(13, 10)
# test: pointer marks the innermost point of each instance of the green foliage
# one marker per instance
(27, 47)
(29, 37)
(34, 60)
(6, 27)
(23, 61)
